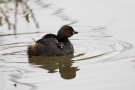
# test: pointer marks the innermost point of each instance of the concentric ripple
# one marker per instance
(92, 47)
(85, 48)
(100, 50)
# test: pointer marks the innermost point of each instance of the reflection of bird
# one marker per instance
(27, 17)
(52, 64)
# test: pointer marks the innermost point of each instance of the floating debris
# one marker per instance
(27, 17)
(15, 85)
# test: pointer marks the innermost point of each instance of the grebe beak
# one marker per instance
(75, 32)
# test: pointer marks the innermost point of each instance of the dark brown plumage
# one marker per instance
(52, 45)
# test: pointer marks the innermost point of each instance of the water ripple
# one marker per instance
(100, 50)
(84, 49)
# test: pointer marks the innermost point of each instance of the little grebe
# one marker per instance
(52, 45)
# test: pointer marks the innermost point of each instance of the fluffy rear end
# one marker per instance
(35, 49)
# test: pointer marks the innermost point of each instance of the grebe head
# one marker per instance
(66, 32)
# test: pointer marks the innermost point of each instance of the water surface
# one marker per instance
(104, 48)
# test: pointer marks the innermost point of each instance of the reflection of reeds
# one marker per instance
(32, 14)
(58, 12)
(0, 21)
(6, 18)
(24, 8)
(27, 11)
(16, 11)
